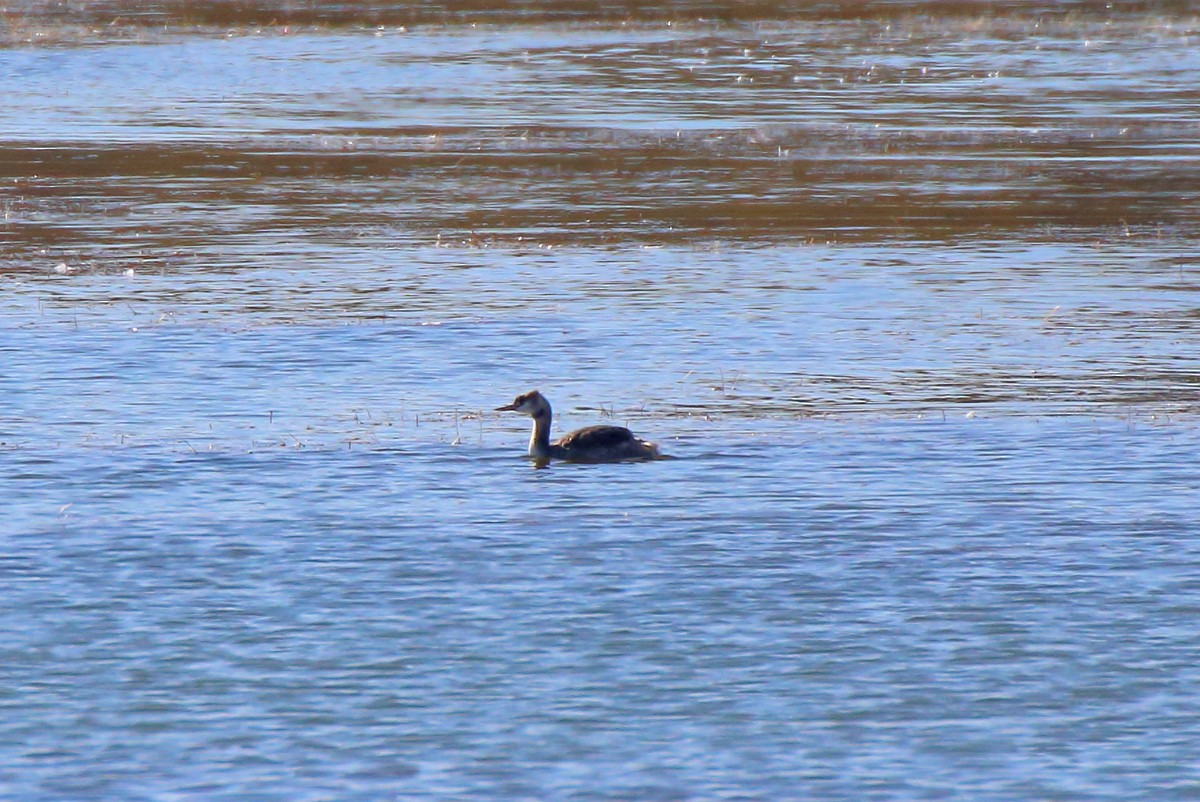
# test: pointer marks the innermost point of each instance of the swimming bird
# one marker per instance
(590, 444)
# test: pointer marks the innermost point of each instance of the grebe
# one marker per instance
(590, 444)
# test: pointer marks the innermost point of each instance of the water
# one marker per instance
(908, 293)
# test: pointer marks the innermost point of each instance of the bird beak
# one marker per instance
(507, 408)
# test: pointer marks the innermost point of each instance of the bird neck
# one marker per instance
(539, 441)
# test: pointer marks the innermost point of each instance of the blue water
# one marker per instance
(268, 560)
(966, 609)
(909, 301)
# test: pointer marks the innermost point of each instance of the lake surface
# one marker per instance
(908, 291)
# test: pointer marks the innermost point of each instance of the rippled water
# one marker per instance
(908, 291)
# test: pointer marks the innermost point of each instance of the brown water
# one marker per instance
(909, 290)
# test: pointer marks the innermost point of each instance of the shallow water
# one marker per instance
(908, 293)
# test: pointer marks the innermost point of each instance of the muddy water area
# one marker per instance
(908, 291)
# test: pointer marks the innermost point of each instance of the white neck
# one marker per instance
(539, 439)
